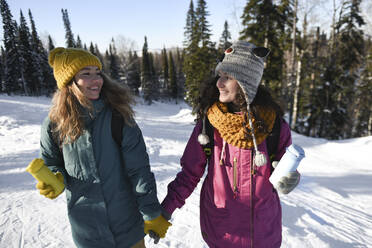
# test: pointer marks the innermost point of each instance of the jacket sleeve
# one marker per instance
(137, 167)
(49, 150)
(193, 164)
(285, 140)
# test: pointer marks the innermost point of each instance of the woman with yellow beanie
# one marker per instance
(110, 189)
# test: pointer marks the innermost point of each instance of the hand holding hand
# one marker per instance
(47, 190)
(157, 227)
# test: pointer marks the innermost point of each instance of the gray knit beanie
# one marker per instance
(244, 62)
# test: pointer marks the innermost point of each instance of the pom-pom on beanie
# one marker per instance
(66, 62)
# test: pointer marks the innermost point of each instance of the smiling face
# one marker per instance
(90, 81)
(228, 88)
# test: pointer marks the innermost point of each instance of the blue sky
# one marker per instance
(162, 21)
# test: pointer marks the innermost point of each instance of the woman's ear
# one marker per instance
(261, 52)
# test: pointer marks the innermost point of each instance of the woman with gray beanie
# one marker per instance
(238, 205)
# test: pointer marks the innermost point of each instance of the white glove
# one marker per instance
(287, 183)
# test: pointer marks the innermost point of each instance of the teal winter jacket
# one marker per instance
(109, 190)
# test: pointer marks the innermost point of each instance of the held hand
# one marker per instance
(152, 234)
(288, 183)
(47, 190)
(157, 226)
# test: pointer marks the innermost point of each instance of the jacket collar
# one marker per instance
(89, 116)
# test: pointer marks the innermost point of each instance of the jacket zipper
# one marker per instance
(251, 194)
(235, 178)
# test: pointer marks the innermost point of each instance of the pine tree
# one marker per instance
(91, 48)
(1, 68)
(146, 74)
(50, 43)
(200, 54)
(172, 78)
(113, 61)
(225, 40)
(155, 84)
(265, 25)
(134, 73)
(12, 76)
(30, 66)
(100, 57)
(362, 114)
(180, 75)
(364, 118)
(203, 26)
(165, 71)
(44, 71)
(78, 42)
(190, 31)
(70, 41)
(342, 73)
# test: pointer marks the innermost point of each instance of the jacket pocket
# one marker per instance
(124, 213)
(87, 219)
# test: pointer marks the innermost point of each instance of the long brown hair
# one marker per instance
(68, 103)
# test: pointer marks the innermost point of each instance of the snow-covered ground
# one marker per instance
(332, 207)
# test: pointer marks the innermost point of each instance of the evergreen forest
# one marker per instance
(323, 80)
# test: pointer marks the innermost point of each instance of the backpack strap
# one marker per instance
(272, 141)
(208, 148)
(117, 124)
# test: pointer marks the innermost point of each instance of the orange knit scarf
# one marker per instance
(230, 126)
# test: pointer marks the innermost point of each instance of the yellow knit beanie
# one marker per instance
(66, 62)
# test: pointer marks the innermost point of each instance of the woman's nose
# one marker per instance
(220, 83)
(96, 77)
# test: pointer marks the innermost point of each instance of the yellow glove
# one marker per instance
(50, 185)
(159, 225)
(47, 190)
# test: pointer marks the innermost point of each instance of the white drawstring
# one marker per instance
(223, 151)
(259, 157)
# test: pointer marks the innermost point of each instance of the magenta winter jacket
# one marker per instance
(237, 208)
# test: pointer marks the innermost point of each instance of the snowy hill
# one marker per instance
(332, 206)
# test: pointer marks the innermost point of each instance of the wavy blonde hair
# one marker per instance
(66, 111)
